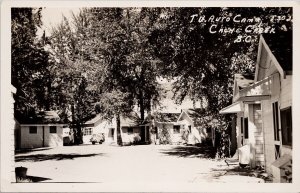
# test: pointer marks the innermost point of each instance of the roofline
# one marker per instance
(43, 124)
(273, 58)
(183, 111)
(166, 122)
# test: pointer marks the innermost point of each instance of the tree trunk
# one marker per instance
(119, 137)
(142, 107)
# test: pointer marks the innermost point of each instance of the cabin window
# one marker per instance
(286, 126)
(176, 129)
(190, 128)
(88, 131)
(275, 120)
(246, 127)
(130, 130)
(32, 129)
(52, 129)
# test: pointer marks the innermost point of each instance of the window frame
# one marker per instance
(286, 132)
(52, 127)
(32, 127)
(88, 131)
(176, 129)
(130, 130)
(246, 128)
(275, 112)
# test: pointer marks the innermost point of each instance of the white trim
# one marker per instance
(273, 58)
(167, 122)
(183, 111)
(233, 108)
(258, 58)
(33, 124)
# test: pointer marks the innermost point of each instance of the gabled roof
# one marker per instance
(167, 117)
(162, 117)
(94, 121)
(130, 120)
(281, 45)
(43, 117)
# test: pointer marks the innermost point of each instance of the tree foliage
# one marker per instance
(29, 60)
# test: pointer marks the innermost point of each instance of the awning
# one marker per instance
(233, 108)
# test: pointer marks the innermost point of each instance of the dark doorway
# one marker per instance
(147, 133)
(143, 134)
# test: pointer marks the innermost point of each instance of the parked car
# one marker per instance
(97, 138)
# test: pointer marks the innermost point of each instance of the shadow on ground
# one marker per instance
(234, 170)
(32, 150)
(190, 151)
(30, 179)
(57, 157)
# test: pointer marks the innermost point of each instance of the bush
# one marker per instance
(136, 139)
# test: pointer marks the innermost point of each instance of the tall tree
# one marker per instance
(201, 60)
(133, 66)
(75, 70)
(30, 72)
(204, 61)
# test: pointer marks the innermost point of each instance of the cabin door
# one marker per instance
(143, 134)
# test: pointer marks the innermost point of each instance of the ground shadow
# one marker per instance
(191, 151)
(57, 157)
(237, 170)
(31, 150)
(36, 179)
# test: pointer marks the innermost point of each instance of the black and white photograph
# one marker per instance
(143, 98)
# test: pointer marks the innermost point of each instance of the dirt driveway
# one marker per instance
(129, 164)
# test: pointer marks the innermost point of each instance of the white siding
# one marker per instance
(35, 140)
(286, 92)
(128, 138)
(31, 140)
(53, 139)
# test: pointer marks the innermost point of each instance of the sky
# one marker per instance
(53, 16)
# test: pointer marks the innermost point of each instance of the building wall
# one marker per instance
(54, 139)
(286, 92)
(286, 101)
(174, 137)
(258, 135)
(29, 140)
(35, 140)
(255, 133)
(128, 138)
(238, 129)
(197, 134)
(12, 131)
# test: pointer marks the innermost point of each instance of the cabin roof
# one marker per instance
(43, 117)
(130, 120)
(94, 120)
(162, 117)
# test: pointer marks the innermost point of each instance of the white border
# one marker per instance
(6, 186)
